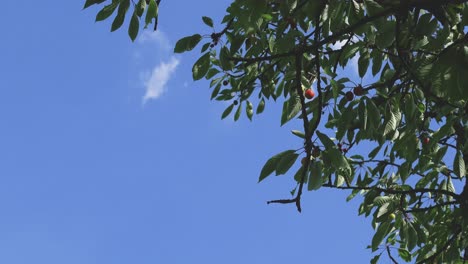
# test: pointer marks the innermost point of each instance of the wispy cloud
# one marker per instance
(156, 81)
(158, 37)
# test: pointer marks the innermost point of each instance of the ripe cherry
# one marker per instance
(225, 82)
(236, 102)
(358, 90)
(309, 93)
(316, 152)
(344, 150)
(426, 140)
(349, 96)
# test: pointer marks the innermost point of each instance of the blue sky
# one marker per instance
(110, 153)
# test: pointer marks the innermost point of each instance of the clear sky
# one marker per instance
(111, 154)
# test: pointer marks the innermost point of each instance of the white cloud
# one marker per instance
(158, 37)
(155, 82)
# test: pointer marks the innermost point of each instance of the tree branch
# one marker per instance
(390, 256)
(440, 251)
(392, 191)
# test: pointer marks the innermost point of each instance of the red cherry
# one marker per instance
(349, 96)
(344, 150)
(316, 152)
(309, 93)
(426, 140)
(358, 90)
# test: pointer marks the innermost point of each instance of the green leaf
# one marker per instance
(121, 12)
(238, 112)
(404, 254)
(249, 110)
(335, 89)
(106, 11)
(315, 176)
(326, 141)
(201, 67)
(187, 43)
(226, 63)
(299, 174)
(386, 35)
(375, 259)
(298, 133)
(459, 165)
(89, 3)
(140, 7)
(227, 111)
(380, 234)
(151, 13)
(291, 108)
(261, 106)
(377, 59)
(271, 164)
(286, 162)
(373, 114)
(208, 21)
(363, 64)
(134, 26)
(390, 125)
(412, 238)
(363, 116)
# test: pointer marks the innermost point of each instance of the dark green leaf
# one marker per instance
(140, 7)
(134, 26)
(326, 141)
(201, 66)
(89, 3)
(249, 110)
(121, 12)
(227, 111)
(363, 64)
(380, 234)
(412, 239)
(226, 63)
(291, 108)
(238, 112)
(315, 176)
(208, 21)
(187, 43)
(151, 13)
(286, 162)
(271, 164)
(375, 259)
(261, 106)
(106, 11)
(459, 165)
(404, 254)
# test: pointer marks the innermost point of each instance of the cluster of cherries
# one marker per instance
(358, 91)
(315, 153)
(341, 148)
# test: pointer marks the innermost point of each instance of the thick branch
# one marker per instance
(425, 209)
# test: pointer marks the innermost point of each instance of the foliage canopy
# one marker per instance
(413, 116)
